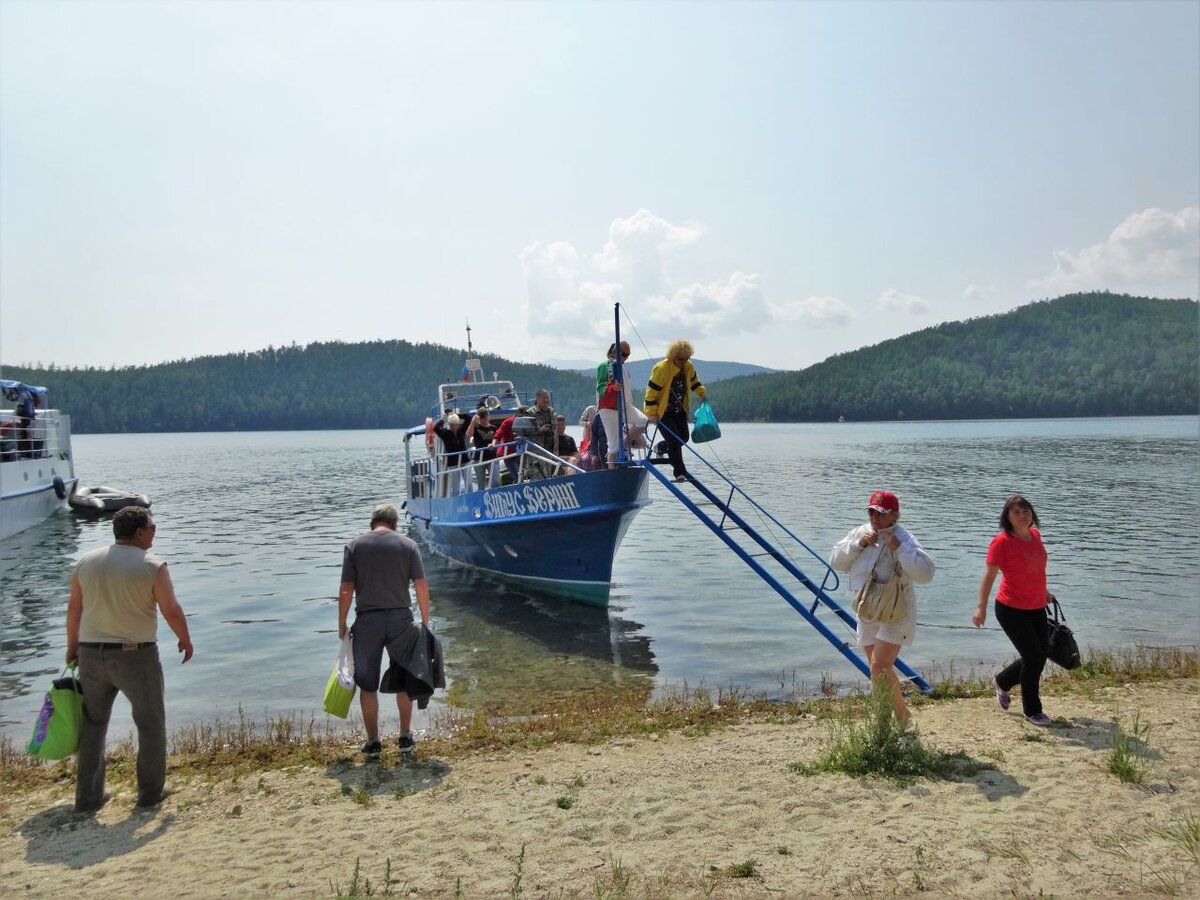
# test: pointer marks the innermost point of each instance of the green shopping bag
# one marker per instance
(339, 689)
(56, 731)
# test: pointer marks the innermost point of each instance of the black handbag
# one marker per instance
(1063, 649)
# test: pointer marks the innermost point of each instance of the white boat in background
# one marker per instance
(37, 470)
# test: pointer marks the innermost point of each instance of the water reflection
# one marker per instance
(34, 567)
(514, 651)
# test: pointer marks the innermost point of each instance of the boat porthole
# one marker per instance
(510, 551)
(60, 489)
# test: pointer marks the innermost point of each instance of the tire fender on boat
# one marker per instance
(60, 489)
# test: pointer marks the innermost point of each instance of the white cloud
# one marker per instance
(892, 300)
(972, 292)
(818, 312)
(1152, 248)
(571, 294)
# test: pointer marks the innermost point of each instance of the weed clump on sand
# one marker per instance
(868, 741)
(361, 886)
(1130, 753)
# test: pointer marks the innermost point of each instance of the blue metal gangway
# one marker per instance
(731, 523)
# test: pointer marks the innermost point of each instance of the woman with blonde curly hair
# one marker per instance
(668, 396)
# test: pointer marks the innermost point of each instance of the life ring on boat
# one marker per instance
(429, 435)
(491, 401)
(60, 489)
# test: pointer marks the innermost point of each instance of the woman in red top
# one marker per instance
(1017, 554)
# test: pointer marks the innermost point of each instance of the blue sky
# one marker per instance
(777, 182)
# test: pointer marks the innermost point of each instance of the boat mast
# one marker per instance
(618, 374)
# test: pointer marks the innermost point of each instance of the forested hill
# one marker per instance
(1080, 355)
(379, 384)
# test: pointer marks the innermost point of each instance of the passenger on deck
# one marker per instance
(543, 413)
(595, 457)
(26, 411)
(585, 422)
(564, 444)
(504, 435)
(480, 432)
(452, 431)
(608, 392)
(668, 400)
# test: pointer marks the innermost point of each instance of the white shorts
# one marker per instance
(901, 632)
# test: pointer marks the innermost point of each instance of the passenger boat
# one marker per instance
(555, 535)
(102, 499)
(37, 471)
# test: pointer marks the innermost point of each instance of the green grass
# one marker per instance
(361, 886)
(1128, 759)
(564, 802)
(745, 869)
(867, 741)
(515, 889)
(1185, 834)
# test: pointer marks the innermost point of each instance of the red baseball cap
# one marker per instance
(884, 502)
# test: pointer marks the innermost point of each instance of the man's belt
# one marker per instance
(116, 645)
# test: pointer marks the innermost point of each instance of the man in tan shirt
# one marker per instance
(112, 625)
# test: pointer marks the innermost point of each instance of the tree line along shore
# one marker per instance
(1097, 354)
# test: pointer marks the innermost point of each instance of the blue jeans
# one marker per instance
(137, 674)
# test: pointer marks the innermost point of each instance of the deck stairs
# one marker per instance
(726, 509)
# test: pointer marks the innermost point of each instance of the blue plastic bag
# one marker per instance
(706, 427)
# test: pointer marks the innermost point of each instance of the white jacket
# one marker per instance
(916, 566)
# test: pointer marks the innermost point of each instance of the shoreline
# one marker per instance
(699, 807)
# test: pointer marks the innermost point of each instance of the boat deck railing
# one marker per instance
(450, 474)
(39, 438)
(464, 397)
(727, 511)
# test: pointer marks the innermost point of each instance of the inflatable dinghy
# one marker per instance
(104, 499)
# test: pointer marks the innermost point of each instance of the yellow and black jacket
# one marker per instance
(658, 391)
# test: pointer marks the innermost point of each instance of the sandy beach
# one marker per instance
(663, 815)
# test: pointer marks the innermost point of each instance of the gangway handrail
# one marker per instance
(842, 645)
(829, 570)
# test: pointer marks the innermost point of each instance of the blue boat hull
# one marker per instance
(556, 535)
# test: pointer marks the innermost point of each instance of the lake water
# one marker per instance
(253, 526)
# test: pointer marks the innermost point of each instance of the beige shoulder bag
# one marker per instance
(878, 602)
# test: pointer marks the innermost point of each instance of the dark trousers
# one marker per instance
(1030, 635)
(137, 674)
(675, 420)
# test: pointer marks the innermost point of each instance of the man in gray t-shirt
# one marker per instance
(377, 568)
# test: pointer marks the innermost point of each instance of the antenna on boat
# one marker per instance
(470, 349)
(619, 374)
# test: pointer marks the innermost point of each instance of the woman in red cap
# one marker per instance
(1017, 554)
(876, 551)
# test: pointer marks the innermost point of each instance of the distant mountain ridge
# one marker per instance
(1095, 354)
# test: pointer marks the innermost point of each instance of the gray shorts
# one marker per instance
(371, 632)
